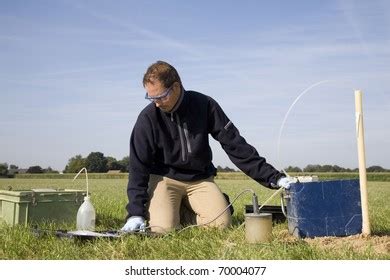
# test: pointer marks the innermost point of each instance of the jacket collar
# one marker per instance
(180, 104)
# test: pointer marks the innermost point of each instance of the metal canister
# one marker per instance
(258, 227)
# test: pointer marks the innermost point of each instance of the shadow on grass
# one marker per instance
(380, 233)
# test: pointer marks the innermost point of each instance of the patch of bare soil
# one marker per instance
(358, 243)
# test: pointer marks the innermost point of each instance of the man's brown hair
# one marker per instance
(163, 72)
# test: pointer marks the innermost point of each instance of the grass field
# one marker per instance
(109, 199)
(371, 176)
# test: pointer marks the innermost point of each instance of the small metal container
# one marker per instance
(258, 227)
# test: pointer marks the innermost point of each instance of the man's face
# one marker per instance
(169, 95)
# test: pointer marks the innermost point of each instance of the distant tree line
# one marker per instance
(225, 169)
(96, 162)
(332, 168)
(9, 171)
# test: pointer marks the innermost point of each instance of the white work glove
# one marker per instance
(134, 223)
(285, 182)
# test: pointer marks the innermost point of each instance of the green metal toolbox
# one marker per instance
(40, 205)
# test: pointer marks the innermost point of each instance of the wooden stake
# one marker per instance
(362, 162)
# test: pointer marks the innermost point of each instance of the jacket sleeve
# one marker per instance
(242, 154)
(141, 156)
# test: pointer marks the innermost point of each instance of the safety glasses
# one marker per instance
(159, 97)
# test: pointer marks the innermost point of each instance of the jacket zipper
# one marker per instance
(184, 140)
(187, 138)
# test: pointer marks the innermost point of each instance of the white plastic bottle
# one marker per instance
(86, 215)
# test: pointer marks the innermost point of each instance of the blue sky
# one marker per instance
(71, 72)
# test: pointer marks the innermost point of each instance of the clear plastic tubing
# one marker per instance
(288, 112)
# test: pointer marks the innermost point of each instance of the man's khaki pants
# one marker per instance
(175, 203)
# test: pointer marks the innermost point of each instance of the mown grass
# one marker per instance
(109, 199)
(371, 176)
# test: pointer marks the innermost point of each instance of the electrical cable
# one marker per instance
(282, 205)
(198, 225)
(286, 116)
(272, 196)
(230, 204)
(265, 202)
(220, 214)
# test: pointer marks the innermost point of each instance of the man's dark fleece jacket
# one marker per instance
(176, 145)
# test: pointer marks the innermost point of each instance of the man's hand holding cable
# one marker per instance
(285, 182)
(134, 223)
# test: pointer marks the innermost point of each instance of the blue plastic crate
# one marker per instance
(324, 208)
